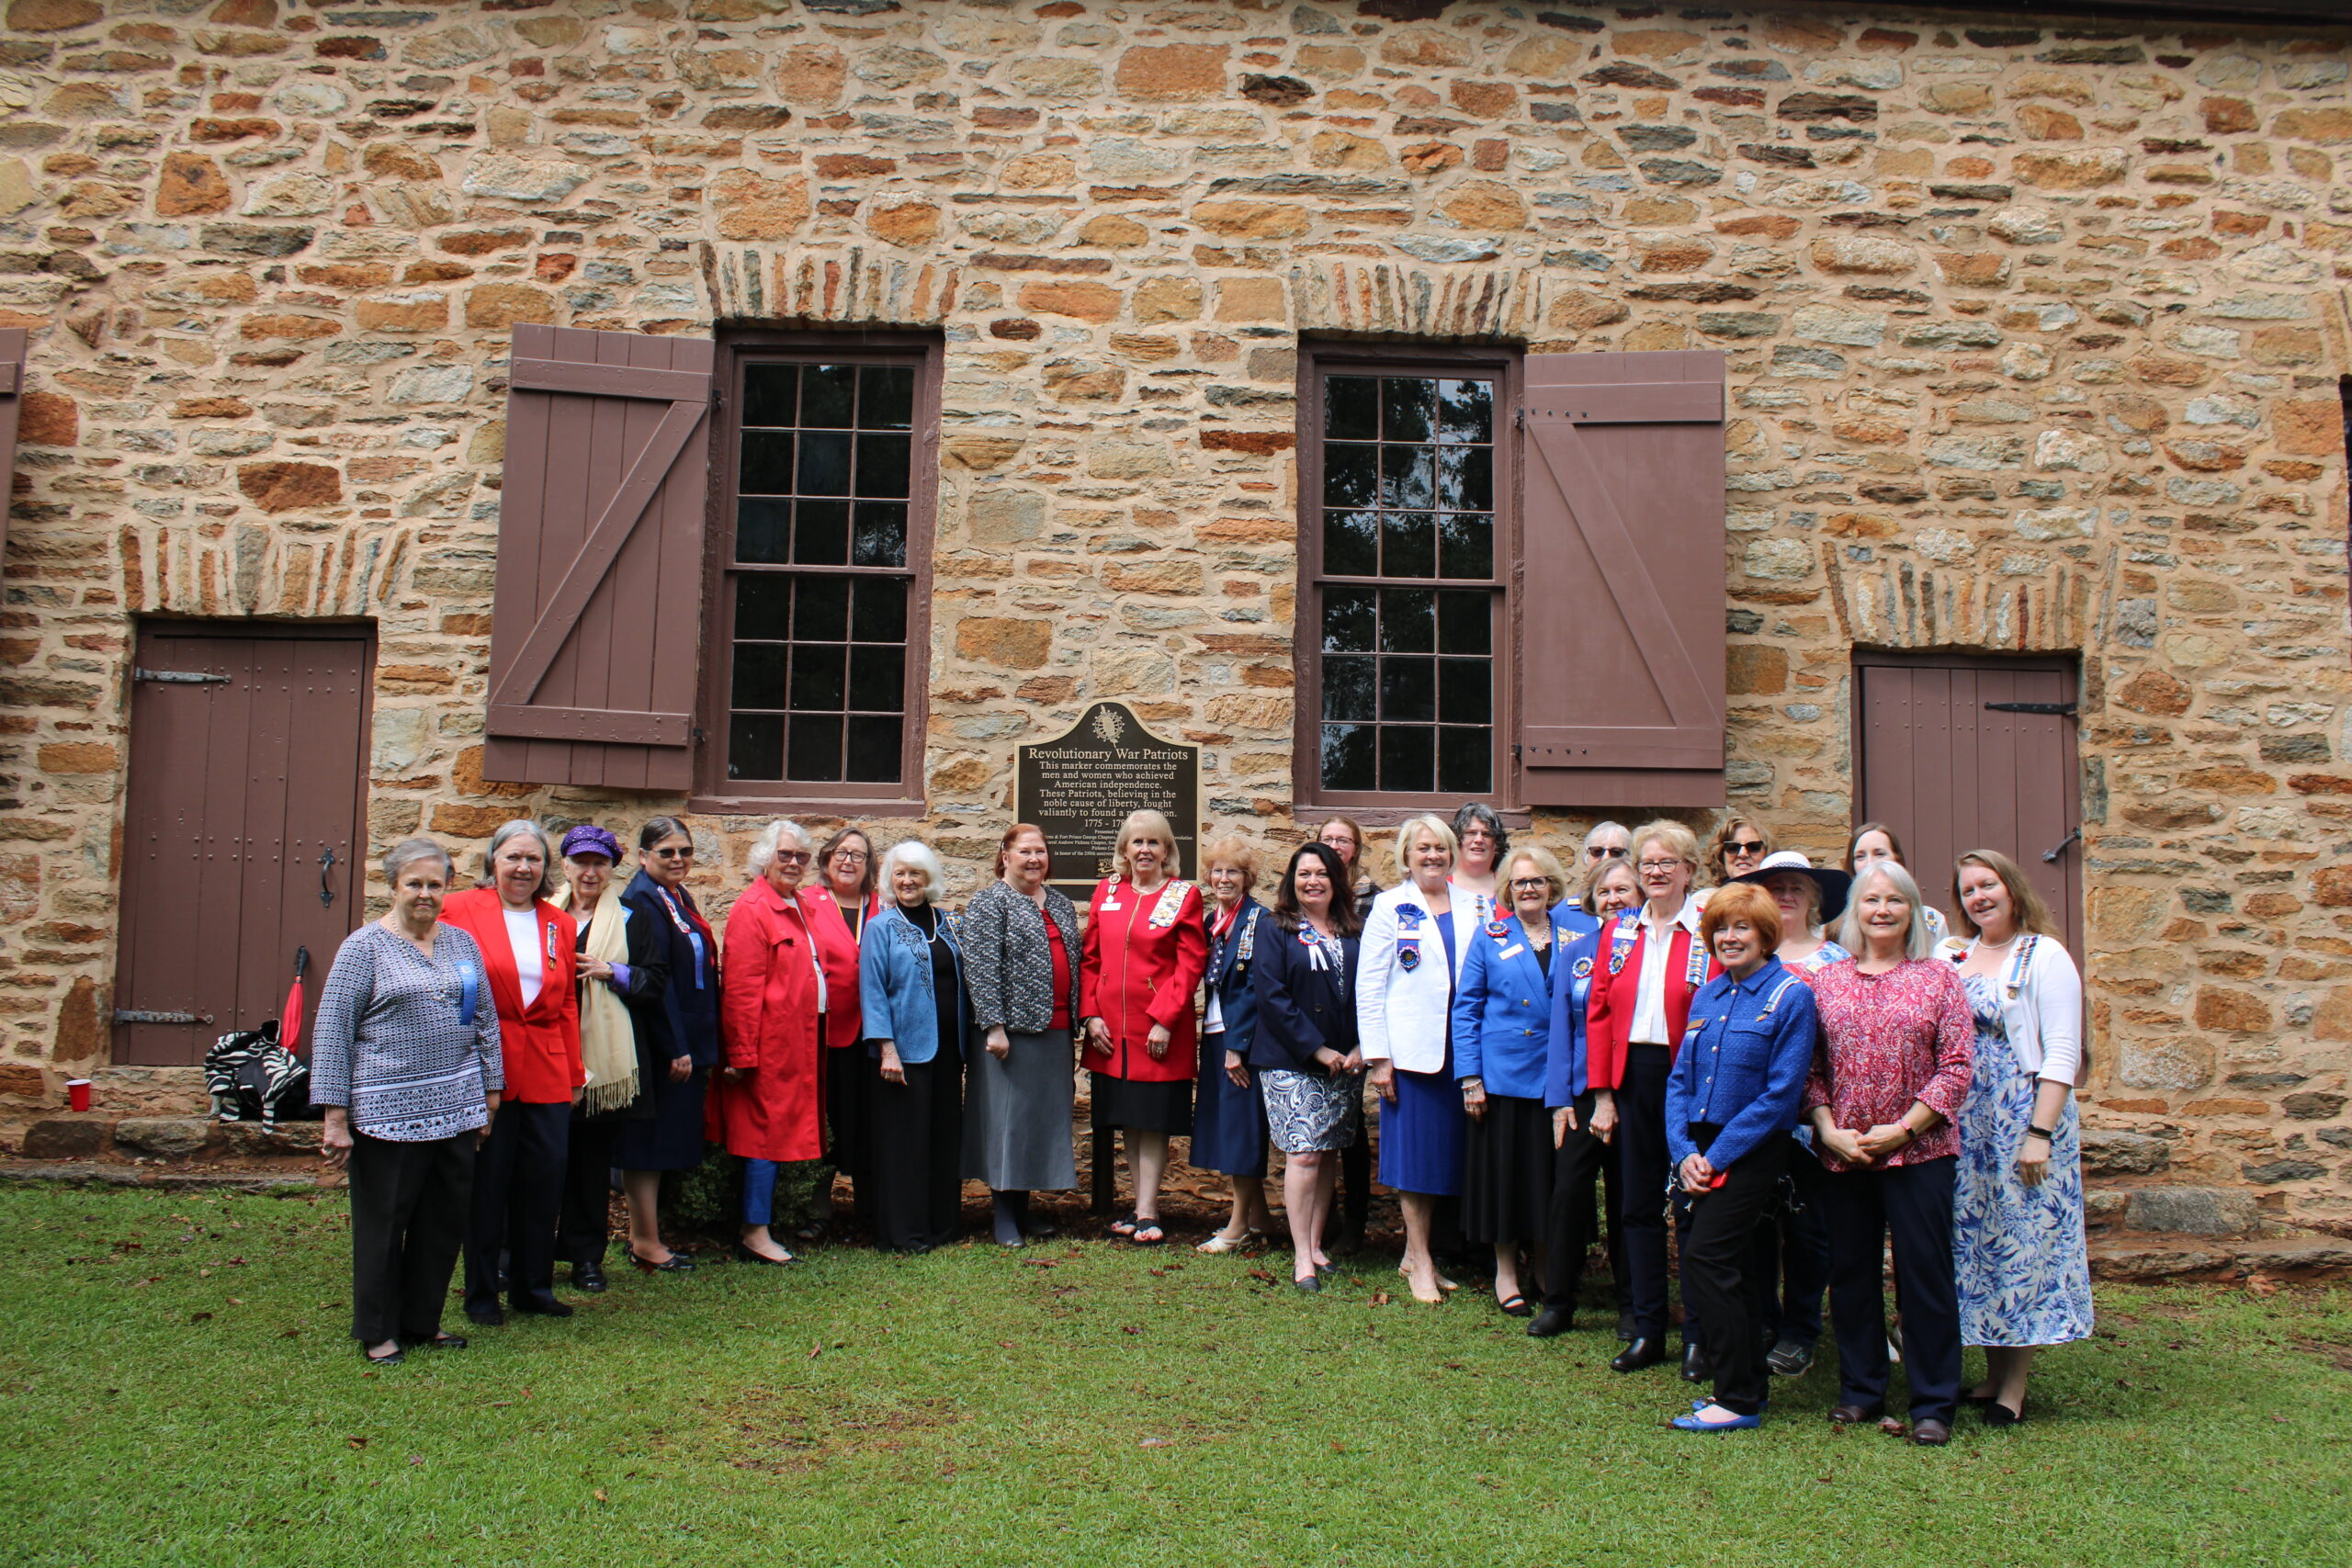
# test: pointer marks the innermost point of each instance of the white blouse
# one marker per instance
(523, 936)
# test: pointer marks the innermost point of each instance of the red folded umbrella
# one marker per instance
(290, 1025)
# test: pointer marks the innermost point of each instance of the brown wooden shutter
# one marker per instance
(12, 398)
(595, 631)
(1621, 597)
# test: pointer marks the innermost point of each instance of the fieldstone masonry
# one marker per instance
(2035, 330)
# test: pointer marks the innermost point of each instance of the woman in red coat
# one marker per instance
(838, 906)
(527, 947)
(770, 1105)
(1144, 949)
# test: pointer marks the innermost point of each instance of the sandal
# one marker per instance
(1224, 1243)
(1516, 1305)
(1147, 1233)
(394, 1359)
(1125, 1229)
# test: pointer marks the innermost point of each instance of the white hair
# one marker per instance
(1600, 828)
(764, 848)
(916, 853)
(1915, 942)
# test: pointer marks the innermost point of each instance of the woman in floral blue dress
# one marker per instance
(2025, 1280)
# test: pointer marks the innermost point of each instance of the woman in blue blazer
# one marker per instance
(1502, 1032)
(1304, 1048)
(910, 983)
(1584, 1119)
(1228, 1109)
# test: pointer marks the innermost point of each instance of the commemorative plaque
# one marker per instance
(1080, 787)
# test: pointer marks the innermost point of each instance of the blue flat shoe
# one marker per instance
(1692, 1423)
(1703, 1404)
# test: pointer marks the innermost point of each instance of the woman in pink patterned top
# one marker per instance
(1889, 1079)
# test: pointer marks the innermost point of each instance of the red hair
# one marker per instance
(1741, 901)
(1004, 845)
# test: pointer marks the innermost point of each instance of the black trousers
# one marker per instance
(1579, 1161)
(408, 1206)
(1720, 1285)
(1643, 1168)
(582, 1226)
(1792, 1251)
(913, 1193)
(1354, 1203)
(1910, 1207)
(519, 1191)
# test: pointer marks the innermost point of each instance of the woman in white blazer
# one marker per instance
(1404, 1010)
(2017, 1243)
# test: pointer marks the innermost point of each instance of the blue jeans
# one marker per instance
(759, 1190)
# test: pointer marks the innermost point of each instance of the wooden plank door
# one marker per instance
(1952, 772)
(248, 756)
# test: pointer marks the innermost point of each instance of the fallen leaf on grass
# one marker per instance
(1381, 1298)
(815, 1352)
(1891, 1427)
(356, 1442)
(198, 1316)
(1261, 1274)
(600, 1494)
(1153, 1443)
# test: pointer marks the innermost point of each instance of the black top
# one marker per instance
(1301, 1008)
(946, 989)
(1543, 955)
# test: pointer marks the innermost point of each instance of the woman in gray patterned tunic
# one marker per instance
(1021, 959)
(406, 1062)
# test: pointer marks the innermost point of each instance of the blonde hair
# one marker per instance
(1588, 898)
(2032, 913)
(1144, 824)
(1413, 827)
(1915, 942)
(1546, 865)
(1233, 849)
(1679, 841)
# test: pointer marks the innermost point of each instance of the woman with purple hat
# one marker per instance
(620, 968)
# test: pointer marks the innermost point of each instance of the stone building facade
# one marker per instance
(2033, 332)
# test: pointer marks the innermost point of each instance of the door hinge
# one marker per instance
(179, 677)
(2050, 857)
(134, 1015)
(2066, 708)
(1518, 418)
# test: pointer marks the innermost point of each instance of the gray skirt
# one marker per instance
(1017, 1112)
(1307, 1114)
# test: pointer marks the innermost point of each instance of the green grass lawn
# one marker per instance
(176, 1387)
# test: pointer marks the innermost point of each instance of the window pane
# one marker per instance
(1350, 475)
(881, 536)
(1349, 620)
(1465, 410)
(816, 748)
(769, 394)
(1405, 409)
(1409, 688)
(761, 527)
(1465, 690)
(1351, 543)
(755, 746)
(1347, 757)
(1408, 475)
(1465, 622)
(1348, 689)
(881, 614)
(1466, 545)
(1464, 761)
(759, 676)
(877, 677)
(882, 463)
(827, 394)
(887, 396)
(767, 463)
(1407, 757)
(1408, 620)
(1350, 408)
(821, 533)
(820, 610)
(1408, 545)
(818, 672)
(874, 750)
(1466, 478)
(824, 464)
(764, 606)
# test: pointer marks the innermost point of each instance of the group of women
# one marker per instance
(1675, 1029)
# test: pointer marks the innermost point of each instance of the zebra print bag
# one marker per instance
(252, 1077)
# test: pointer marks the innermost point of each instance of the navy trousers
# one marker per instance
(1909, 1206)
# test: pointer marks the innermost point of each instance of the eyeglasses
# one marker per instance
(1661, 864)
(793, 857)
(686, 854)
(1604, 851)
(1744, 847)
(849, 857)
(1477, 835)
(1530, 883)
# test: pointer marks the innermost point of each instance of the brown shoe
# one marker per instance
(1932, 1433)
(1856, 1414)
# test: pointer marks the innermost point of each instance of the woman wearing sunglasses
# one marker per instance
(665, 1131)
(1738, 846)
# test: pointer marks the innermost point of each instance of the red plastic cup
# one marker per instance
(77, 1094)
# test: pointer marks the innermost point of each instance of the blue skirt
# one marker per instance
(1424, 1137)
(1228, 1123)
(670, 1139)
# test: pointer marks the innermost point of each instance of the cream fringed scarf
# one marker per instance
(607, 1036)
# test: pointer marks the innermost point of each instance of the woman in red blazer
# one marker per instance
(1638, 1011)
(770, 1101)
(527, 947)
(841, 900)
(1146, 947)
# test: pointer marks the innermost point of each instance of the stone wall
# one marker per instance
(2034, 330)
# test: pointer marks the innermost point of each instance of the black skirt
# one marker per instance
(848, 1079)
(1142, 1107)
(1507, 1189)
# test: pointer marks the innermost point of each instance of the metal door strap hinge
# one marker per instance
(133, 1015)
(2067, 708)
(179, 677)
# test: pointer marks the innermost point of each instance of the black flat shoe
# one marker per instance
(1696, 1367)
(1999, 1415)
(745, 1254)
(676, 1263)
(589, 1276)
(1516, 1306)
(542, 1303)
(438, 1342)
(1310, 1286)
(1552, 1320)
(1638, 1353)
(394, 1359)
(489, 1317)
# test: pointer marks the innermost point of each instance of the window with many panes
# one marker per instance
(819, 613)
(1403, 543)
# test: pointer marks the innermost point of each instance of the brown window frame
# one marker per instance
(715, 792)
(1312, 802)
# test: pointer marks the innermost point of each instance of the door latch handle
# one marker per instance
(2050, 857)
(326, 870)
